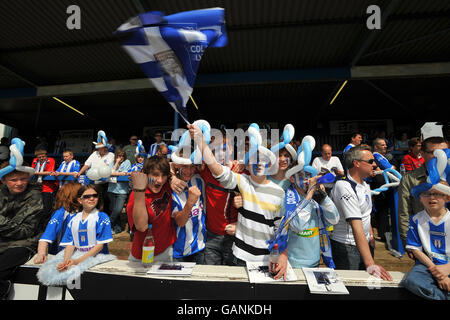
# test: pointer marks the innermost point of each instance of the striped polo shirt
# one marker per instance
(256, 220)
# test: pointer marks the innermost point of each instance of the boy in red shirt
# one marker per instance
(45, 166)
(413, 159)
(150, 202)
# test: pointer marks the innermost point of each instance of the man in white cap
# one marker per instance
(98, 159)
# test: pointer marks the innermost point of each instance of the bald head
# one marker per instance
(327, 151)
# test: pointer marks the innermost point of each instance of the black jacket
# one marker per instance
(22, 218)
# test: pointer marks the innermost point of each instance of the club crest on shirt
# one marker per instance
(160, 205)
(437, 243)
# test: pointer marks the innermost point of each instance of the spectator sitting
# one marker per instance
(328, 163)
(22, 221)
(66, 206)
(407, 204)
(85, 241)
(429, 277)
(413, 159)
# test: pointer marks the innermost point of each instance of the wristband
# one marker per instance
(139, 190)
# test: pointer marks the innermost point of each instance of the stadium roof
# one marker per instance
(285, 61)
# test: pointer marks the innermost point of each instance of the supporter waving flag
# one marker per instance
(169, 48)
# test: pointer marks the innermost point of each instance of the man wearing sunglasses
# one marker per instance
(407, 204)
(352, 240)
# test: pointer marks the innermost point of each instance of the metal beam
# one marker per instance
(243, 78)
(401, 70)
(360, 48)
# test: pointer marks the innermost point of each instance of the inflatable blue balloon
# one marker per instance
(438, 169)
(328, 178)
(389, 173)
(16, 159)
(196, 156)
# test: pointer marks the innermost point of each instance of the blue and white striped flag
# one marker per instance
(169, 48)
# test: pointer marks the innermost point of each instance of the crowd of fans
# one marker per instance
(218, 213)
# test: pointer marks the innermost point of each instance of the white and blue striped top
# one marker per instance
(154, 149)
(72, 166)
(85, 234)
(192, 237)
(425, 235)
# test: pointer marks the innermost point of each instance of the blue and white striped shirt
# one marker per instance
(192, 237)
(425, 235)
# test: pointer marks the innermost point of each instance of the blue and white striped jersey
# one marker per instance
(192, 237)
(55, 229)
(85, 234)
(425, 235)
(72, 166)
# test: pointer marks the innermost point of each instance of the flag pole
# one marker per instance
(190, 96)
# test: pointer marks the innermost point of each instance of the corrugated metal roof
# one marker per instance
(263, 35)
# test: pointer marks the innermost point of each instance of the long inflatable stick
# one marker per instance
(391, 176)
(438, 169)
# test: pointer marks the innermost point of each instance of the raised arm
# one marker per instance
(196, 134)
(140, 215)
(181, 217)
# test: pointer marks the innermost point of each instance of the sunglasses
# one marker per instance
(88, 196)
(371, 161)
(428, 194)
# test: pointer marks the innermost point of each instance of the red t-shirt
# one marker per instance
(47, 185)
(219, 205)
(159, 209)
(411, 162)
